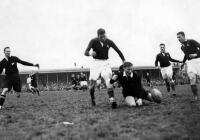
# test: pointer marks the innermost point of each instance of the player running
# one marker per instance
(100, 47)
(12, 79)
(132, 88)
(164, 59)
(32, 83)
(191, 49)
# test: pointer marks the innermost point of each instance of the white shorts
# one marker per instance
(167, 72)
(101, 67)
(98, 82)
(30, 87)
(193, 66)
(83, 83)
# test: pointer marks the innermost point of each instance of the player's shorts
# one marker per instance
(30, 87)
(34, 84)
(12, 81)
(167, 72)
(83, 83)
(100, 67)
(193, 66)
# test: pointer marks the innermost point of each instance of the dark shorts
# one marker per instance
(34, 84)
(12, 82)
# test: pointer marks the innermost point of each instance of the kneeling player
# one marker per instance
(32, 83)
(133, 90)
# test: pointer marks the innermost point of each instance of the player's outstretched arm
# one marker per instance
(173, 60)
(26, 63)
(118, 51)
(156, 61)
(1, 68)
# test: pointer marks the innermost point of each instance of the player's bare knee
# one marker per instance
(4, 92)
(192, 78)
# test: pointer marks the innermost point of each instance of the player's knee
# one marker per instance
(130, 101)
(4, 92)
(108, 84)
(192, 78)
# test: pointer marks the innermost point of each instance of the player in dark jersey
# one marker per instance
(12, 79)
(32, 83)
(100, 47)
(164, 59)
(132, 88)
(83, 82)
(191, 49)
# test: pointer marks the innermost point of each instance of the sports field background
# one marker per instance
(34, 118)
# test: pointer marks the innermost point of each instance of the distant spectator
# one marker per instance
(83, 82)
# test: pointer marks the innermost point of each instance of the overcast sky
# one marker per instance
(55, 33)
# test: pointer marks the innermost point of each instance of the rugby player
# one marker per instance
(12, 79)
(32, 83)
(165, 67)
(132, 88)
(100, 47)
(191, 49)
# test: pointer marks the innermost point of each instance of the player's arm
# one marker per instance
(25, 63)
(173, 60)
(112, 44)
(87, 51)
(156, 61)
(197, 45)
(1, 67)
(114, 78)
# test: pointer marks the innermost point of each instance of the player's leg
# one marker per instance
(193, 69)
(130, 101)
(192, 77)
(165, 77)
(36, 89)
(92, 90)
(16, 83)
(107, 75)
(3, 97)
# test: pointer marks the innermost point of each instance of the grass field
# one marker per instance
(33, 117)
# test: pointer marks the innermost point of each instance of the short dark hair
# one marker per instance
(6, 48)
(181, 33)
(101, 31)
(127, 64)
(162, 44)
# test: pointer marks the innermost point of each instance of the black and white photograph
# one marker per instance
(99, 70)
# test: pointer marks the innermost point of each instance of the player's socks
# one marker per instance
(2, 100)
(92, 96)
(38, 92)
(173, 86)
(167, 85)
(194, 91)
(18, 94)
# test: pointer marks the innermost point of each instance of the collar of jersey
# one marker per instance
(124, 74)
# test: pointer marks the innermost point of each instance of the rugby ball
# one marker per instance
(156, 95)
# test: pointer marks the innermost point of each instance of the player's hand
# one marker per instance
(192, 55)
(93, 54)
(37, 65)
(114, 77)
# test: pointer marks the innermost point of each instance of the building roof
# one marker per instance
(82, 70)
